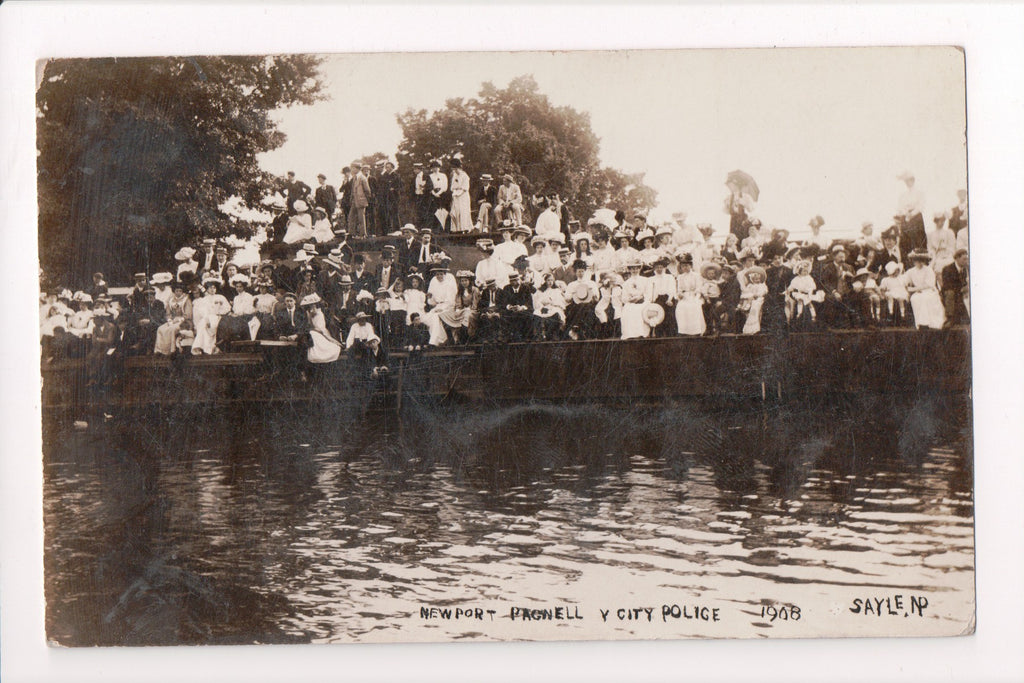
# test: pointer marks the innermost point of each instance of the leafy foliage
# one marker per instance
(136, 155)
(517, 130)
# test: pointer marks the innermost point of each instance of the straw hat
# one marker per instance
(653, 314)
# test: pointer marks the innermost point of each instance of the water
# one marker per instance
(256, 530)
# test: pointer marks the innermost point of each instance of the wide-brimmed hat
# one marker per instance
(893, 267)
(836, 248)
(557, 238)
(362, 315)
(240, 277)
(523, 230)
(303, 255)
(664, 230)
(300, 206)
(212, 279)
(310, 299)
(684, 257)
(710, 270)
(346, 279)
(862, 272)
(644, 234)
(580, 235)
(919, 255)
(538, 239)
(756, 270)
(381, 291)
(83, 297)
(162, 278)
(184, 254)
(653, 314)
(486, 176)
(409, 227)
(465, 273)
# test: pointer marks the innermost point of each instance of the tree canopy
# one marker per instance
(135, 156)
(517, 130)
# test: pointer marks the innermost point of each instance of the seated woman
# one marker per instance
(179, 311)
(80, 322)
(398, 312)
(634, 293)
(648, 252)
(238, 324)
(266, 304)
(207, 312)
(689, 311)
(925, 302)
(548, 310)
(466, 300)
(663, 293)
(608, 310)
(581, 297)
(104, 342)
(323, 348)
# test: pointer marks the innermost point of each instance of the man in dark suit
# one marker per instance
(140, 334)
(390, 194)
(290, 322)
(326, 197)
(426, 250)
(488, 313)
(955, 287)
(344, 197)
(362, 278)
(516, 306)
(387, 272)
(408, 250)
(836, 280)
(294, 190)
(486, 198)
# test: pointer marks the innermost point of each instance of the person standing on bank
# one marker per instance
(462, 212)
(958, 214)
(359, 197)
(439, 197)
(421, 195)
(344, 198)
(391, 192)
(909, 206)
(325, 196)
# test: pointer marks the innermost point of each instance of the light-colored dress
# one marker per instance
(689, 310)
(179, 309)
(634, 292)
(549, 303)
(206, 314)
(925, 303)
(752, 299)
(300, 229)
(325, 348)
(462, 214)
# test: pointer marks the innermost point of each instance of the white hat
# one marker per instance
(162, 278)
(310, 299)
(644, 234)
(240, 277)
(300, 206)
(663, 230)
(184, 254)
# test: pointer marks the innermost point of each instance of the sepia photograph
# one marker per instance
(584, 345)
(582, 342)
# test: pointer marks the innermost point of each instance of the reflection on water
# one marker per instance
(269, 532)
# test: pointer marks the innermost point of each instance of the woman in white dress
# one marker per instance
(179, 309)
(924, 295)
(690, 307)
(752, 299)
(186, 261)
(324, 348)
(634, 294)
(300, 226)
(461, 213)
(206, 314)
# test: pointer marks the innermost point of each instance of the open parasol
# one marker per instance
(742, 183)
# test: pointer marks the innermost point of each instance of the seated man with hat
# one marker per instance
(427, 251)
(408, 249)
(489, 313)
(836, 280)
(487, 199)
(516, 306)
(387, 272)
(509, 201)
(140, 333)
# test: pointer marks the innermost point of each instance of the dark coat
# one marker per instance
(954, 280)
(396, 273)
(510, 297)
(288, 324)
(835, 278)
(327, 197)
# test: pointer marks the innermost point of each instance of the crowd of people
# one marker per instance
(615, 277)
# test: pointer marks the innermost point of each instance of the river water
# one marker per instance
(269, 529)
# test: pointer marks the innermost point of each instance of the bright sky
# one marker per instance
(823, 131)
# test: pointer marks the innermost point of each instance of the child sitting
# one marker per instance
(894, 289)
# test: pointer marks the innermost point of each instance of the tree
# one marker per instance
(518, 131)
(136, 156)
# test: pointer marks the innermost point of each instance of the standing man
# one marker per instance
(294, 190)
(344, 198)
(486, 198)
(360, 199)
(326, 197)
(910, 206)
(390, 190)
(421, 195)
(510, 201)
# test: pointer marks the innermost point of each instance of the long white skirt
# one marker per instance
(432, 320)
(165, 336)
(206, 335)
(752, 325)
(462, 215)
(690, 316)
(633, 324)
(323, 350)
(928, 311)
